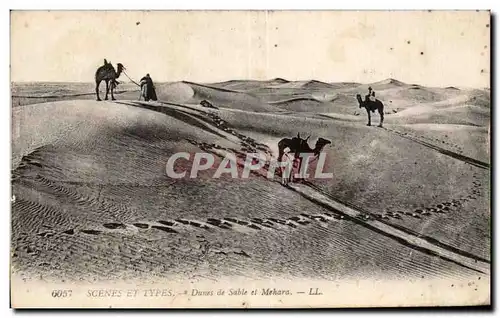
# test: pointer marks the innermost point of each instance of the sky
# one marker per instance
(437, 48)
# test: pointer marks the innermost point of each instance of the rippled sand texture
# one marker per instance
(92, 200)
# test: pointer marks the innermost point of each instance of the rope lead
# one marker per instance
(130, 79)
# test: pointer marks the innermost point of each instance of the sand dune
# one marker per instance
(100, 192)
(303, 104)
(457, 110)
(83, 123)
(480, 98)
(175, 92)
(307, 96)
(361, 157)
(387, 83)
(472, 141)
(316, 85)
(460, 115)
(228, 98)
(89, 183)
(415, 94)
(246, 85)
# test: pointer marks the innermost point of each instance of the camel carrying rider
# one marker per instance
(148, 88)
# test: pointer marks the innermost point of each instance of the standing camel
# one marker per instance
(299, 146)
(108, 74)
(372, 106)
(306, 149)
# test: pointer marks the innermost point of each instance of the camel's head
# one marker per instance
(120, 67)
(360, 101)
(321, 143)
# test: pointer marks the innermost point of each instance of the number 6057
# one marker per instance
(61, 293)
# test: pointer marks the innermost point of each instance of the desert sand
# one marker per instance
(92, 202)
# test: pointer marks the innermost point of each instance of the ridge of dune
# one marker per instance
(344, 84)
(415, 86)
(247, 85)
(279, 80)
(315, 84)
(389, 81)
(229, 99)
(309, 84)
(295, 99)
(212, 87)
(305, 104)
(238, 85)
(387, 84)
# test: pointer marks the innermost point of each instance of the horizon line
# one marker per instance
(266, 80)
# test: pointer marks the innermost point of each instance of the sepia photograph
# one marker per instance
(250, 159)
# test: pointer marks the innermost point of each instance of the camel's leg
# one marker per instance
(296, 159)
(369, 117)
(290, 176)
(97, 83)
(280, 154)
(299, 166)
(381, 112)
(282, 170)
(112, 90)
(107, 90)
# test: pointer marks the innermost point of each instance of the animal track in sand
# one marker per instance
(440, 208)
(114, 226)
(141, 225)
(168, 223)
(248, 143)
(219, 223)
(93, 232)
(453, 146)
(164, 229)
(455, 153)
(262, 222)
(181, 225)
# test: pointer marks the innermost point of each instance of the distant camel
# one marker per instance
(372, 106)
(108, 74)
(299, 146)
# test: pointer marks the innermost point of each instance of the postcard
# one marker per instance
(250, 159)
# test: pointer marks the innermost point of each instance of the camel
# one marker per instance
(108, 74)
(300, 146)
(372, 106)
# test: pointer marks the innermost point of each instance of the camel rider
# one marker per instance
(371, 95)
